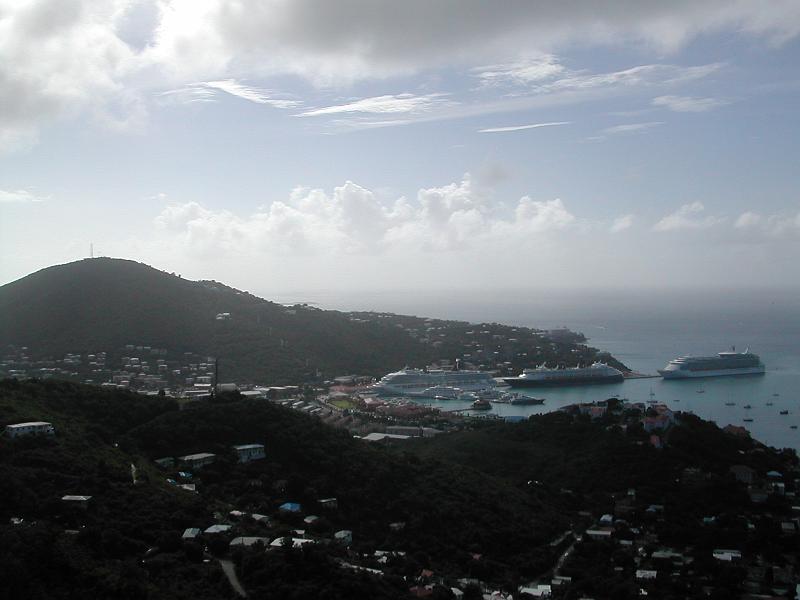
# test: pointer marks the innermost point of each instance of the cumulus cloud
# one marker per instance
(354, 220)
(768, 226)
(622, 223)
(687, 103)
(689, 216)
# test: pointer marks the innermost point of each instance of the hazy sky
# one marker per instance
(295, 145)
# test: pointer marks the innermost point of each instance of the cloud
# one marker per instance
(354, 220)
(206, 91)
(773, 226)
(687, 103)
(621, 223)
(631, 128)
(106, 58)
(522, 127)
(688, 217)
(389, 104)
(521, 72)
(19, 197)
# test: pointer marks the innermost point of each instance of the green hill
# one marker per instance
(103, 304)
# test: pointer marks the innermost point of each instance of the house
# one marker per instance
(249, 452)
(384, 437)
(81, 502)
(290, 507)
(540, 591)
(30, 428)
(166, 462)
(295, 542)
(646, 574)
(311, 519)
(727, 555)
(330, 503)
(345, 536)
(197, 461)
(743, 473)
(247, 541)
(190, 533)
(214, 529)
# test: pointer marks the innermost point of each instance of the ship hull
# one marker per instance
(687, 374)
(524, 382)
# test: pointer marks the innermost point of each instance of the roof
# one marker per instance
(249, 446)
(30, 424)
(296, 542)
(199, 456)
(191, 532)
(249, 541)
(76, 498)
(289, 507)
(217, 528)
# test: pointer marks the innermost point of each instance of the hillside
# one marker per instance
(448, 511)
(105, 305)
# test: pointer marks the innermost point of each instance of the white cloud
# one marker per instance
(521, 72)
(389, 104)
(687, 103)
(688, 216)
(19, 197)
(631, 128)
(522, 127)
(354, 220)
(769, 226)
(622, 223)
(253, 94)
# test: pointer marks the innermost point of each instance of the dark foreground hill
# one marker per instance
(447, 511)
(589, 504)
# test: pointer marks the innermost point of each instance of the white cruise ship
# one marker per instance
(414, 382)
(541, 375)
(724, 363)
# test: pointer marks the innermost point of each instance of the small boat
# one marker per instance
(730, 404)
(769, 403)
(747, 406)
(481, 405)
(792, 426)
(747, 420)
(784, 412)
(520, 400)
(700, 391)
(776, 394)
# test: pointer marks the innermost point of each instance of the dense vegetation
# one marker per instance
(449, 511)
(102, 305)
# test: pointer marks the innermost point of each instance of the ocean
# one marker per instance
(643, 329)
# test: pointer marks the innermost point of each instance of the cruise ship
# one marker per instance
(597, 373)
(416, 382)
(724, 363)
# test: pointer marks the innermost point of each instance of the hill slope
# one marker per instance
(104, 304)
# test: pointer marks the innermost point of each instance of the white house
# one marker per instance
(345, 536)
(196, 461)
(77, 501)
(248, 452)
(30, 428)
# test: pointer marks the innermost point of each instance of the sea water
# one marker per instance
(644, 330)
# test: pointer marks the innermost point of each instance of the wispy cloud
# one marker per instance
(19, 197)
(389, 104)
(522, 72)
(687, 103)
(522, 127)
(631, 128)
(207, 91)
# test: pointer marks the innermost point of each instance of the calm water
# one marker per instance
(644, 330)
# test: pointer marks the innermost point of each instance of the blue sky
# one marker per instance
(307, 145)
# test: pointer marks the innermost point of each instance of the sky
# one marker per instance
(288, 146)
